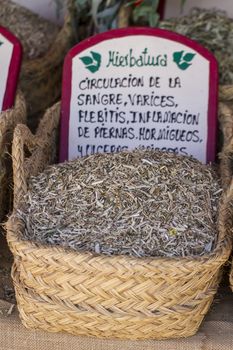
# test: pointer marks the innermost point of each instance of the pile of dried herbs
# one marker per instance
(140, 203)
(35, 33)
(214, 30)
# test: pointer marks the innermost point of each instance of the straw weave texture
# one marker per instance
(8, 120)
(227, 161)
(226, 113)
(108, 297)
(214, 334)
(226, 124)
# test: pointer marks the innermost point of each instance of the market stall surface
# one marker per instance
(216, 332)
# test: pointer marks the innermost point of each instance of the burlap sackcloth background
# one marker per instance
(216, 333)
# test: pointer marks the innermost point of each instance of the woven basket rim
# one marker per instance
(7, 118)
(19, 100)
(221, 251)
(226, 93)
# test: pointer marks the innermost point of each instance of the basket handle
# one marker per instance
(225, 117)
(22, 136)
(41, 149)
(226, 167)
(226, 155)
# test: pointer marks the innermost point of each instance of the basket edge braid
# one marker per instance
(226, 156)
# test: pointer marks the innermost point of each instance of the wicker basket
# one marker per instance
(40, 78)
(226, 122)
(226, 103)
(8, 120)
(85, 294)
(227, 172)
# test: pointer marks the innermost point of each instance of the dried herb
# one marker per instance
(212, 29)
(140, 203)
(35, 33)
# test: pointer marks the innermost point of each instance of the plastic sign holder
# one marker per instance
(139, 87)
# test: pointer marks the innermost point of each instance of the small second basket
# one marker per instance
(227, 171)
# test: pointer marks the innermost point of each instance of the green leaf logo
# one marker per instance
(92, 62)
(86, 60)
(183, 59)
(188, 57)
